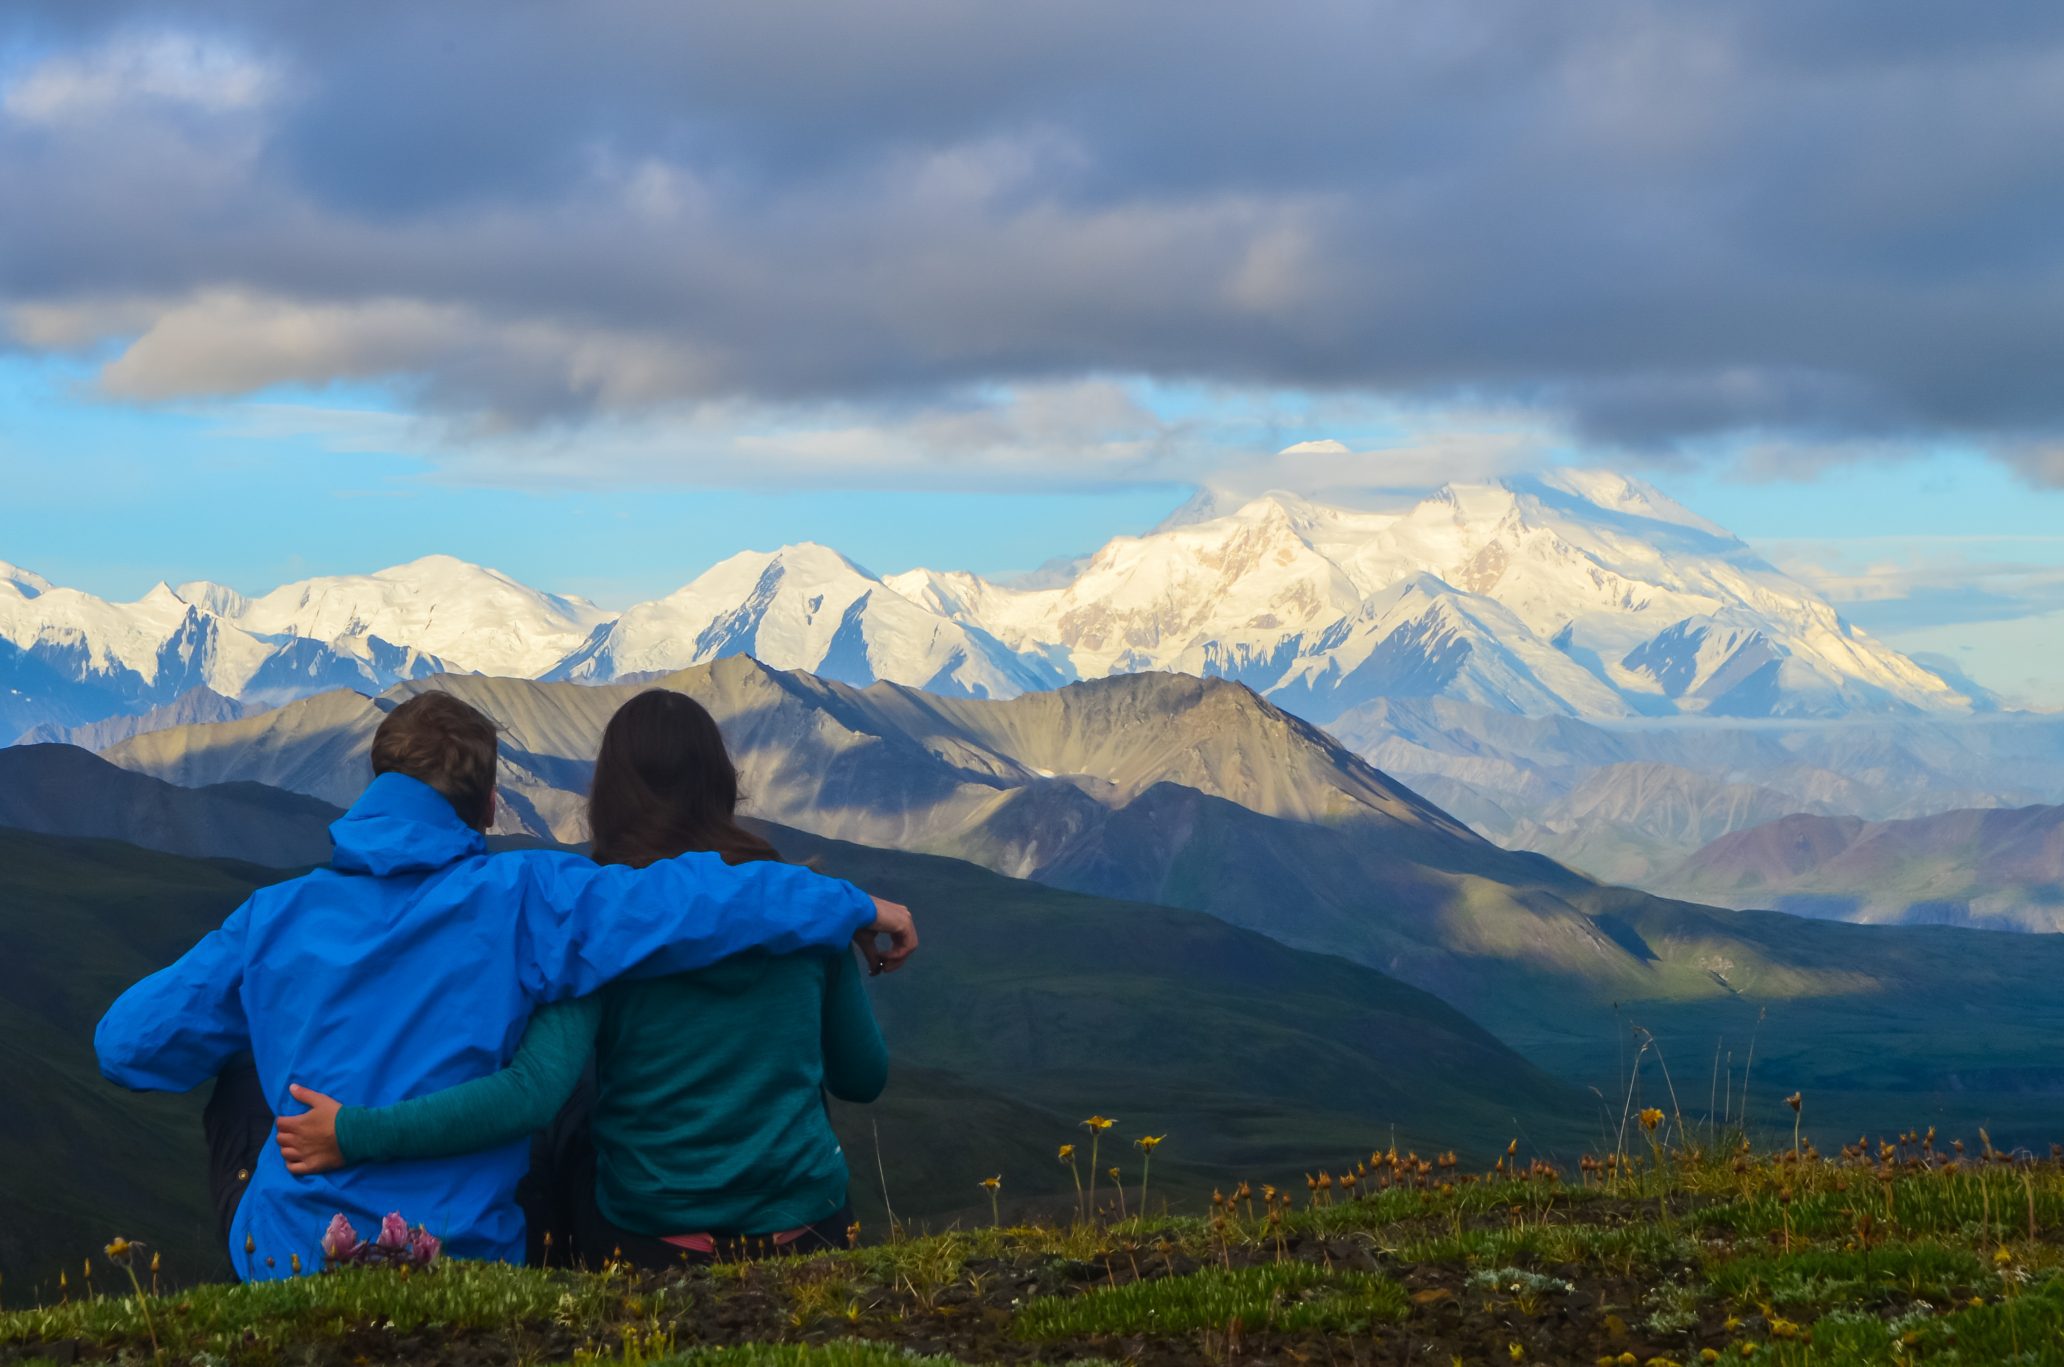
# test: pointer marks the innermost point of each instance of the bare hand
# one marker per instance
(891, 919)
(309, 1141)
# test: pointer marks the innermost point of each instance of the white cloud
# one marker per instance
(199, 72)
(1421, 452)
(2020, 658)
(1065, 435)
(1992, 604)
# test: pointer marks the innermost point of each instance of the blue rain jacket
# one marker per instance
(412, 962)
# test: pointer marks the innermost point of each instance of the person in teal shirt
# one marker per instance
(709, 1130)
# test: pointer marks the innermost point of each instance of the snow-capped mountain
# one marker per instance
(1578, 593)
(68, 658)
(806, 607)
(475, 619)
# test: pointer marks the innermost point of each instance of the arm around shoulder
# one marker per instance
(585, 924)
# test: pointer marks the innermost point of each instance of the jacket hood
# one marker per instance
(401, 825)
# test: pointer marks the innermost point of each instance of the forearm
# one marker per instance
(486, 1113)
(856, 1059)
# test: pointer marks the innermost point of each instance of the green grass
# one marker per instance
(213, 1318)
(1671, 1263)
(2024, 1331)
(1287, 1298)
(848, 1354)
(1816, 1281)
(1622, 1246)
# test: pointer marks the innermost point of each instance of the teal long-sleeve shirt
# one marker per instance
(709, 1111)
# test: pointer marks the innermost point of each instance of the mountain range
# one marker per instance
(1571, 664)
(64, 790)
(1199, 794)
(1631, 803)
(2001, 867)
(1577, 593)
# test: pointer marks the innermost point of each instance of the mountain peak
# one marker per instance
(208, 596)
(1201, 506)
(804, 561)
(24, 582)
(438, 569)
(1612, 492)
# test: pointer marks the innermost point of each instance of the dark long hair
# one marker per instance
(665, 785)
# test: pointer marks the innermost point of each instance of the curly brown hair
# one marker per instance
(445, 743)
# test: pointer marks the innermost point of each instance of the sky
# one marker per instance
(600, 294)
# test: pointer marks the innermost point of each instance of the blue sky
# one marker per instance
(598, 297)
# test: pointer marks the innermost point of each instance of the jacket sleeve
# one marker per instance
(178, 1027)
(486, 1112)
(856, 1061)
(585, 924)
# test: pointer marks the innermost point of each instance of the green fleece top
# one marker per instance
(710, 1110)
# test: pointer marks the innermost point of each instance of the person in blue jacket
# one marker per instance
(413, 961)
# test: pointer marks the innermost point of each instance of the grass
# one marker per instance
(1285, 1298)
(846, 1354)
(1814, 1281)
(213, 1318)
(1900, 1256)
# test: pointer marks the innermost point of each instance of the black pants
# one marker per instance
(238, 1125)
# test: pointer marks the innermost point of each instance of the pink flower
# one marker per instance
(424, 1246)
(394, 1233)
(340, 1241)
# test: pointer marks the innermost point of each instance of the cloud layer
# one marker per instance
(1809, 232)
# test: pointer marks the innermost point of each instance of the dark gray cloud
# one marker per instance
(1663, 224)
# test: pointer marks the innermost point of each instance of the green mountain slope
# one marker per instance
(79, 1160)
(64, 790)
